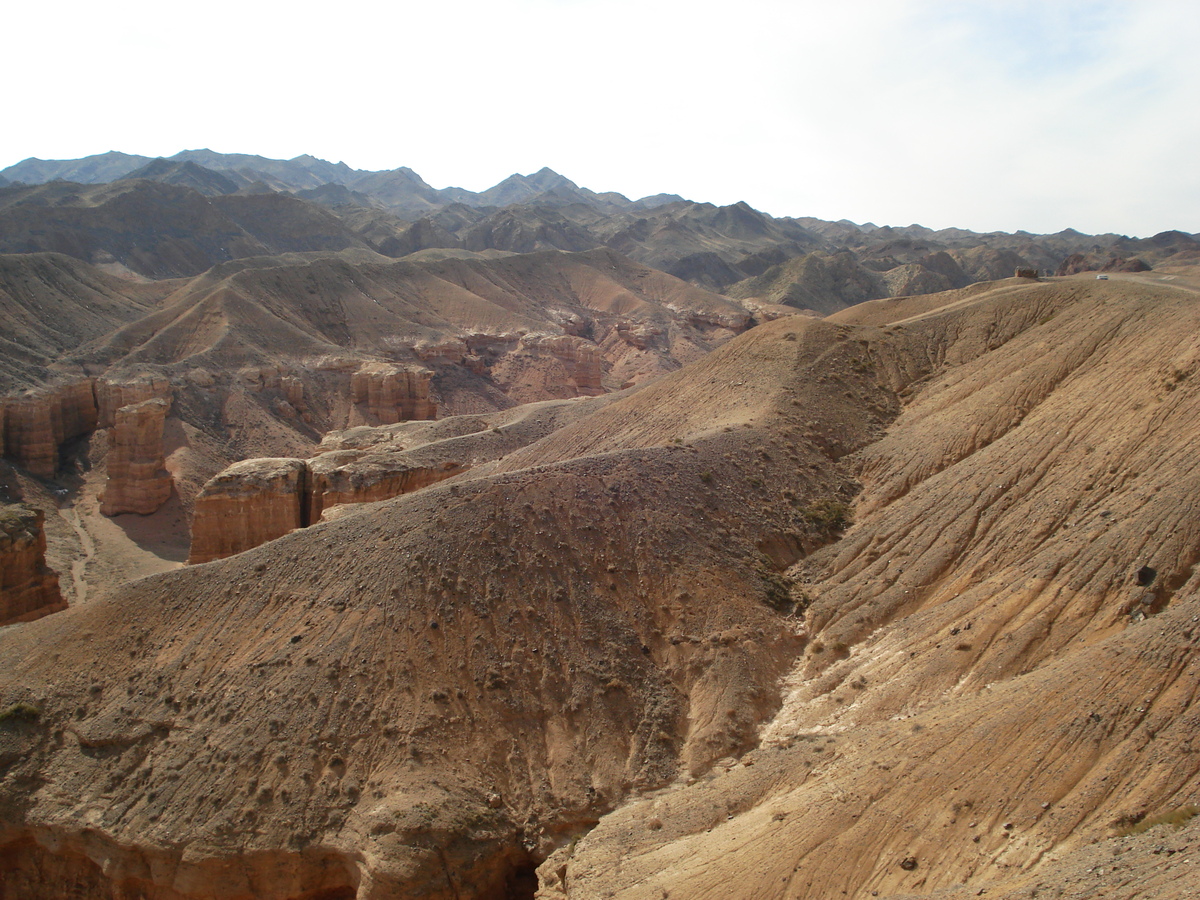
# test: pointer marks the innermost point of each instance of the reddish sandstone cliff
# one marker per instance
(111, 396)
(394, 395)
(336, 479)
(28, 589)
(34, 424)
(250, 503)
(137, 479)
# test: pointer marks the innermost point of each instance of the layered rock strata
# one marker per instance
(258, 500)
(250, 503)
(111, 396)
(34, 424)
(137, 478)
(581, 357)
(349, 477)
(393, 395)
(28, 589)
(538, 366)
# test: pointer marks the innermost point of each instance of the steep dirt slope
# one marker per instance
(463, 678)
(263, 357)
(161, 230)
(51, 304)
(572, 656)
(1002, 659)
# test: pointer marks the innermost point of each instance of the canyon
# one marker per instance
(852, 566)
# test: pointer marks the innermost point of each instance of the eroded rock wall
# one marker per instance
(394, 395)
(250, 503)
(258, 500)
(582, 358)
(28, 588)
(111, 395)
(138, 481)
(37, 422)
(335, 480)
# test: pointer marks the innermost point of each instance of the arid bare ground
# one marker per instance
(1002, 661)
(261, 357)
(640, 654)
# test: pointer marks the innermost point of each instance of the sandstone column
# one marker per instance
(138, 481)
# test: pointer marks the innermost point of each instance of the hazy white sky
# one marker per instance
(974, 113)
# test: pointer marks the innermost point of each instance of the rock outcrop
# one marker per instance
(289, 398)
(112, 395)
(535, 367)
(138, 481)
(34, 424)
(28, 589)
(361, 465)
(250, 503)
(348, 477)
(582, 359)
(258, 500)
(392, 394)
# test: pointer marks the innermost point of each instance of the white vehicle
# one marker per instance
(1102, 278)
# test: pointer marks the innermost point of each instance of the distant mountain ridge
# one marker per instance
(178, 216)
(401, 190)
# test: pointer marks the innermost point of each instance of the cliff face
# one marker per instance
(335, 480)
(555, 365)
(582, 360)
(28, 589)
(258, 500)
(137, 479)
(111, 396)
(250, 503)
(393, 395)
(34, 424)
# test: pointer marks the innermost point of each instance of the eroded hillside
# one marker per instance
(1001, 664)
(640, 654)
(266, 356)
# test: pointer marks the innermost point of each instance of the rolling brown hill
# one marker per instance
(52, 304)
(266, 356)
(649, 654)
(161, 230)
(1001, 666)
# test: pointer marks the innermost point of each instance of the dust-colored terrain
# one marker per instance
(1002, 659)
(900, 603)
(183, 215)
(268, 356)
(520, 567)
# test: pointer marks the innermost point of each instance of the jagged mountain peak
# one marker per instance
(547, 178)
(186, 174)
